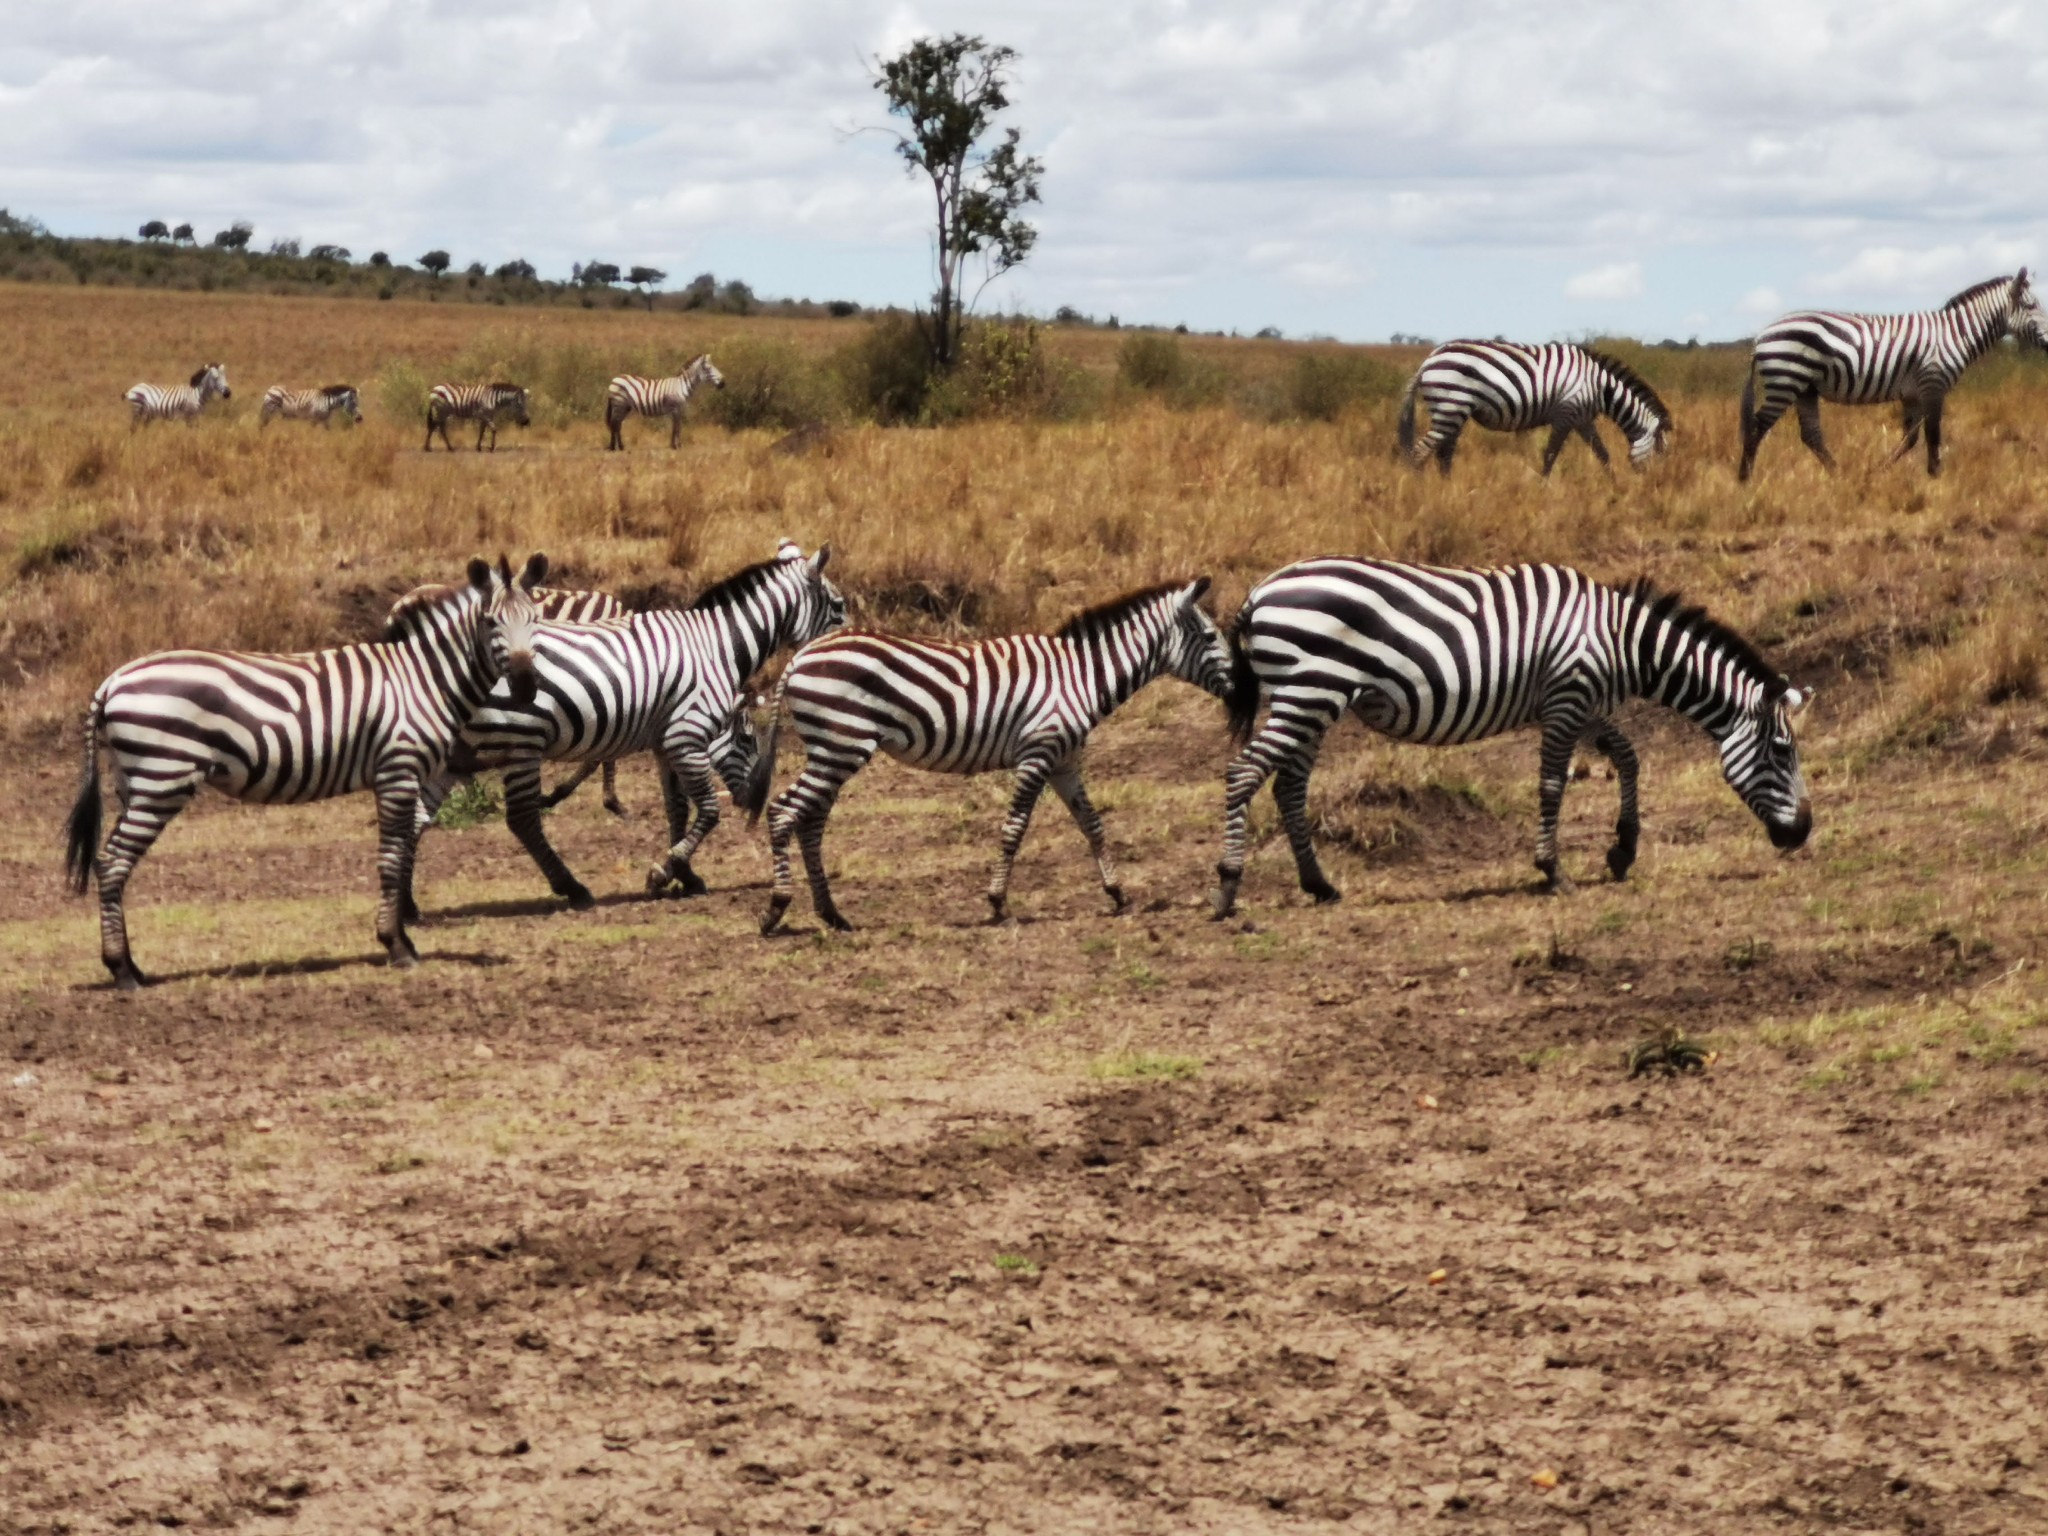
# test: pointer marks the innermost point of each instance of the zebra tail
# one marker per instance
(1749, 401)
(82, 831)
(761, 777)
(1404, 424)
(1241, 704)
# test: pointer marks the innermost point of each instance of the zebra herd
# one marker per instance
(485, 404)
(501, 672)
(1798, 361)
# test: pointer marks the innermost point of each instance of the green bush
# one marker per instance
(769, 384)
(887, 373)
(1005, 371)
(1326, 384)
(1152, 363)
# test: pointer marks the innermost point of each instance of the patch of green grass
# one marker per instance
(1015, 1264)
(1908, 1045)
(468, 804)
(1142, 976)
(1145, 1064)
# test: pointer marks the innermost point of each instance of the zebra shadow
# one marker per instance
(549, 906)
(256, 970)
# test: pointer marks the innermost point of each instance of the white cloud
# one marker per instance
(1616, 280)
(1439, 168)
(1760, 302)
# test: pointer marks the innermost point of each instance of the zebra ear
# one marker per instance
(1191, 594)
(480, 575)
(789, 549)
(818, 560)
(1796, 700)
(536, 571)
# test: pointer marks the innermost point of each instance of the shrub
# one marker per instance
(768, 384)
(1005, 371)
(1150, 362)
(1326, 384)
(887, 373)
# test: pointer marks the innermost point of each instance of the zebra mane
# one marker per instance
(334, 390)
(740, 585)
(507, 389)
(404, 619)
(1634, 381)
(201, 374)
(1672, 609)
(1103, 615)
(1976, 291)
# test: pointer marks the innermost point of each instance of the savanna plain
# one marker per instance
(1322, 1217)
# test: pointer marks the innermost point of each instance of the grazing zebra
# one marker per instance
(315, 405)
(278, 729)
(629, 393)
(1802, 359)
(1437, 656)
(665, 682)
(177, 402)
(1508, 387)
(480, 403)
(1025, 702)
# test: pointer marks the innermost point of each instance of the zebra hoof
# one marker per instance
(1557, 883)
(1223, 903)
(998, 910)
(128, 977)
(1116, 894)
(831, 919)
(1323, 893)
(618, 810)
(777, 905)
(578, 897)
(1620, 860)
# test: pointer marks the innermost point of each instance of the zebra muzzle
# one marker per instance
(1788, 835)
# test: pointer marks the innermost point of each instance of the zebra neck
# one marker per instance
(1117, 661)
(1690, 670)
(1626, 409)
(1976, 331)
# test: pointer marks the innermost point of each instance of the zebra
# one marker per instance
(1802, 359)
(480, 403)
(287, 729)
(177, 402)
(315, 405)
(1509, 387)
(1439, 656)
(665, 682)
(1024, 702)
(629, 393)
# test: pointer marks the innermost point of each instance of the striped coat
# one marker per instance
(287, 729)
(630, 395)
(319, 406)
(1438, 656)
(1508, 387)
(1851, 359)
(1023, 702)
(484, 404)
(177, 402)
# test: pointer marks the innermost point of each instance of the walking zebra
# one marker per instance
(1025, 702)
(480, 403)
(666, 682)
(629, 393)
(1437, 656)
(1509, 387)
(1802, 359)
(278, 729)
(320, 406)
(177, 402)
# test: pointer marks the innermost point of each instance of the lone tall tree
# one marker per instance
(949, 90)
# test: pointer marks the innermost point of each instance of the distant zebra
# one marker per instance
(1508, 387)
(1437, 656)
(666, 682)
(1025, 702)
(319, 406)
(630, 394)
(177, 402)
(286, 729)
(480, 403)
(1846, 359)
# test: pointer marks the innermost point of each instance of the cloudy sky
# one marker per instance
(1441, 167)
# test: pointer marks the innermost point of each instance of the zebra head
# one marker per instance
(1760, 760)
(212, 380)
(2024, 320)
(821, 607)
(735, 750)
(510, 614)
(343, 398)
(701, 371)
(1197, 651)
(512, 397)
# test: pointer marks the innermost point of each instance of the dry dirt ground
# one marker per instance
(1346, 1217)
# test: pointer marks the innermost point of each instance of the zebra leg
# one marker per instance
(693, 783)
(522, 815)
(1590, 431)
(1559, 435)
(1934, 437)
(611, 789)
(675, 431)
(1910, 418)
(1446, 445)
(1294, 729)
(1809, 429)
(1628, 825)
(611, 422)
(801, 811)
(1066, 783)
(397, 840)
(571, 784)
(1559, 741)
(142, 821)
(1032, 774)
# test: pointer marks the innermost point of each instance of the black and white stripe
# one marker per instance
(666, 682)
(319, 406)
(287, 729)
(1437, 656)
(484, 404)
(1850, 359)
(630, 395)
(177, 402)
(1509, 387)
(1024, 702)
